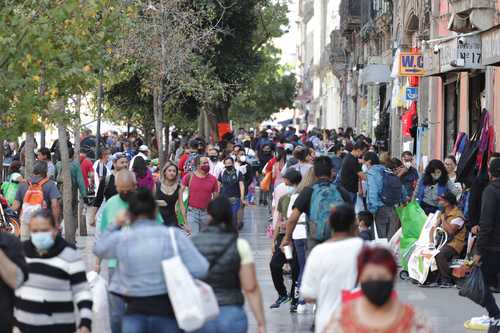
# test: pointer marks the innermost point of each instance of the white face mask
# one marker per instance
(243, 159)
(408, 164)
(364, 168)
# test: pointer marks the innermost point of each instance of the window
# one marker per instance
(451, 97)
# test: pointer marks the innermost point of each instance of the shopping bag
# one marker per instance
(412, 219)
(475, 287)
(100, 306)
(265, 184)
(384, 242)
(193, 301)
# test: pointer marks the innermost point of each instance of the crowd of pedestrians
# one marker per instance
(332, 199)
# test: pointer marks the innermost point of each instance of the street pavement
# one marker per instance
(445, 309)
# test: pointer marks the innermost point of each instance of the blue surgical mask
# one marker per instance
(42, 240)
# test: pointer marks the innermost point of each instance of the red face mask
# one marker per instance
(205, 168)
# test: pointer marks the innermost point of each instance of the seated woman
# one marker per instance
(452, 221)
(377, 308)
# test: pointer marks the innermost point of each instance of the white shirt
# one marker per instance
(330, 268)
(99, 172)
(300, 231)
(216, 168)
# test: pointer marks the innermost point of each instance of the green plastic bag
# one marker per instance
(185, 198)
(412, 219)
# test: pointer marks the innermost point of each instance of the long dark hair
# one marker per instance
(140, 167)
(433, 165)
(220, 211)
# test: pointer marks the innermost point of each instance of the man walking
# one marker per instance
(350, 172)
(202, 187)
(488, 242)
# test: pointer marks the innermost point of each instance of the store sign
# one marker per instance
(411, 93)
(411, 64)
(490, 41)
(461, 54)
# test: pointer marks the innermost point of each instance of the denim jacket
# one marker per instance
(374, 186)
(140, 249)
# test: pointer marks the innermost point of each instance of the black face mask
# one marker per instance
(213, 158)
(378, 292)
(230, 168)
(125, 196)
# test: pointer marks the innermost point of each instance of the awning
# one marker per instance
(374, 74)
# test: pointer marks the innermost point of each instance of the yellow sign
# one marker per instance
(411, 64)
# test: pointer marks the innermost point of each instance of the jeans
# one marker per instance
(300, 246)
(353, 196)
(235, 207)
(232, 318)
(137, 323)
(197, 219)
(490, 268)
(116, 308)
(387, 222)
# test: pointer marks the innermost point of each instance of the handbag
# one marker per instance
(265, 184)
(193, 301)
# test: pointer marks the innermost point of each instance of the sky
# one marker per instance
(288, 42)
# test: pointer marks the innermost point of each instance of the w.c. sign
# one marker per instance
(411, 64)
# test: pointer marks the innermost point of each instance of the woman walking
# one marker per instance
(232, 271)
(167, 193)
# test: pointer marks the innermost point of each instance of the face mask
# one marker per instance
(377, 292)
(124, 196)
(243, 159)
(364, 168)
(436, 176)
(205, 168)
(267, 153)
(230, 168)
(213, 158)
(42, 240)
(408, 164)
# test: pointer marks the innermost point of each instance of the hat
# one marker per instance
(117, 156)
(293, 176)
(143, 148)
(449, 197)
(15, 177)
(495, 167)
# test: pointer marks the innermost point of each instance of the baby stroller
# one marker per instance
(9, 221)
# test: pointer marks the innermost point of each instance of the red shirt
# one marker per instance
(200, 189)
(87, 168)
(182, 161)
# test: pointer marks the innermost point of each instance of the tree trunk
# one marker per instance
(82, 223)
(69, 222)
(158, 117)
(42, 137)
(167, 143)
(29, 156)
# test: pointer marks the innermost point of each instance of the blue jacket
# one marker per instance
(140, 249)
(374, 186)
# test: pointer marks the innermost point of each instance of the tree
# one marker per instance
(271, 89)
(165, 41)
(245, 28)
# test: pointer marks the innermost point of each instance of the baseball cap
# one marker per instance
(449, 197)
(117, 156)
(293, 176)
(143, 148)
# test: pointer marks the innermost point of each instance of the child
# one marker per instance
(365, 221)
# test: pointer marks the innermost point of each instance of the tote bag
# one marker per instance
(193, 301)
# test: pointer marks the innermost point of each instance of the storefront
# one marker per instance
(455, 67)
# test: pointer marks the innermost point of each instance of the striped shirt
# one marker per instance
(56, 284)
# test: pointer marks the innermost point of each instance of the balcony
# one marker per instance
(350, 16)
(472, 15)
(337, 53)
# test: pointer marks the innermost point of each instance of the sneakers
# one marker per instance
(478, 323)
(279, 301)
(293, 308)
(305, 308)
(446, 285)
(494, 326)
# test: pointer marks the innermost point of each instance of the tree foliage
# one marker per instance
(271, 89)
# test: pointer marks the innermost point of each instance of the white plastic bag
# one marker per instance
(100, 306)
(193, 301)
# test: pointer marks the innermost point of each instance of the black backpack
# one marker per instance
(391, 188)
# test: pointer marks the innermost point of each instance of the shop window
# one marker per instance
(451, 98)
(476, 86)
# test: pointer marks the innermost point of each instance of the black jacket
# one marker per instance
(13, 249)
(489, 223)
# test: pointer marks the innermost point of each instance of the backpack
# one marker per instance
(190, 166)
(325, 196)
(392, 188)
(9, 190)
(33, 201)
